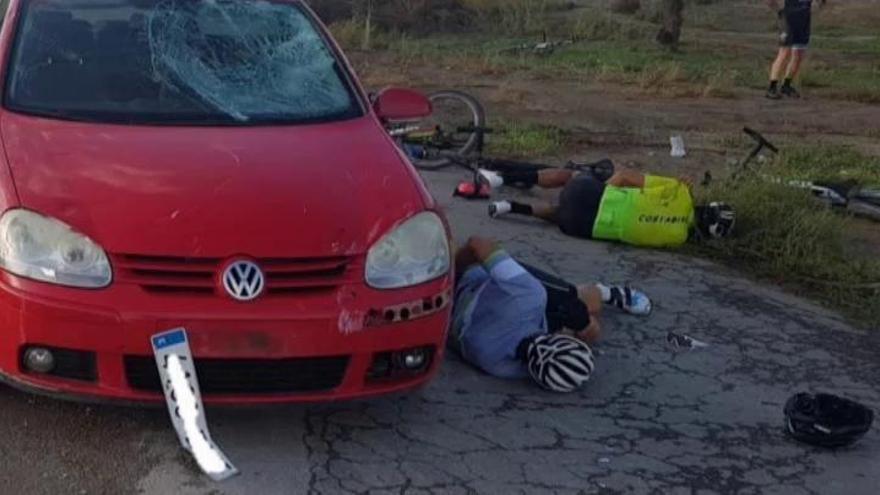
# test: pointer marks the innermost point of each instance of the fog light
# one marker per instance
(39, 360)
(414, 359)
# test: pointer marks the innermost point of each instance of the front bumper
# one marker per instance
(115, 326)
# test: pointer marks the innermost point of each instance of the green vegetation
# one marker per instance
(620, 48)
(525, 140)
(830, 163)
(785, 235)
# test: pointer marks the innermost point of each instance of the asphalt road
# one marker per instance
(651, 421)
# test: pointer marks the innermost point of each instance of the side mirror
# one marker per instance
(401, 105)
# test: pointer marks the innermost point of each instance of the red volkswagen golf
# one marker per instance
(212, 165)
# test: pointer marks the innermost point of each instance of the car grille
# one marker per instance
(247, 376)
(166, 274)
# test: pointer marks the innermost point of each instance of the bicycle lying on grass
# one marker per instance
(450, 132)
(848, 195)
(455, 135)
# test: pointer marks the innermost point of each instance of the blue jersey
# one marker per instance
(497, 306)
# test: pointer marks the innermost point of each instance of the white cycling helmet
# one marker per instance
(559, 363)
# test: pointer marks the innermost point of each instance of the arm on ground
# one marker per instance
(627, 177)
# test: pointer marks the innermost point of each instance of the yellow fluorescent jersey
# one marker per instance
(660, 215)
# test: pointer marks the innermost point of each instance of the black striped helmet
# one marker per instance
(716, 220)
(559, 363)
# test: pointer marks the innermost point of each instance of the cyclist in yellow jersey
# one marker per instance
(628, 207)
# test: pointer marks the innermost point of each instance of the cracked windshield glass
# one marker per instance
(206, 61)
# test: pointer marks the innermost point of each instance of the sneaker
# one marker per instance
(790, 92)
(774, 94)
(631, 301)
(490, 178)
(499, 208)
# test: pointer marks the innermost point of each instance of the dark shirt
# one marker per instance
(798, 7)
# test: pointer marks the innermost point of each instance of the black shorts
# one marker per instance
(564, 307)
(796, 28)
(579, 206)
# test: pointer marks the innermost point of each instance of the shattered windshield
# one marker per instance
(175, 61)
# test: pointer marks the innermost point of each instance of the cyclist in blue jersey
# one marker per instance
(512, 320)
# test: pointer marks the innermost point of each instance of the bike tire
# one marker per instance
(868, 195)
(477, 121)
(865, 209)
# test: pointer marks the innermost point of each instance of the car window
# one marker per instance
(234, 62)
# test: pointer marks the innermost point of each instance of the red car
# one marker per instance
(212, 165)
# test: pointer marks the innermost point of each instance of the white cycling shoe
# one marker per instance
(632, 301)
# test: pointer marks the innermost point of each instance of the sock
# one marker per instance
(521, 208)
(524, 177)
(774, 85)
(786, 83)
(499, 208)
(606, 292)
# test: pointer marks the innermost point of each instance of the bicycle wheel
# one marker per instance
(456, 117)
(869, 195)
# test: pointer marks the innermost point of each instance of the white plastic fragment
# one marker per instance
(684, 342)
(678, 150)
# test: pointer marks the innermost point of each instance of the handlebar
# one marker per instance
(760, 139)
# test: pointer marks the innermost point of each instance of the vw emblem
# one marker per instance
(243, 280)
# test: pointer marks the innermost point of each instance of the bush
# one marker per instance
(511, 16)
(625, 6)
(411, 16)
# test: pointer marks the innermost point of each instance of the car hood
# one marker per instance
(283, 191)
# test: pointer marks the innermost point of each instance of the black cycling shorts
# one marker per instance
(796, 27)
(579, 206)
(564, 307)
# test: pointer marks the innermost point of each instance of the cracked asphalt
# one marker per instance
(652, 420)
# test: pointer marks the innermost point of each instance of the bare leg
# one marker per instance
(781, 62)
(592, 297)
(553, 178)
(794, 67)
(545, 211)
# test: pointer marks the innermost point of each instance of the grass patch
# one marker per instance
(521, 140)
(512, 16)
(620, 49)
(829, 163)
(785, 235)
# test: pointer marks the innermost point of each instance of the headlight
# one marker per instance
(415, 252)
(45, 249)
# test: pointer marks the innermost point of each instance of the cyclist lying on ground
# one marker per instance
(630, 207)
(512, 320)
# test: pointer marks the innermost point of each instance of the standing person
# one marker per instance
(629, 207)
(795, 18)
(514, 321)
